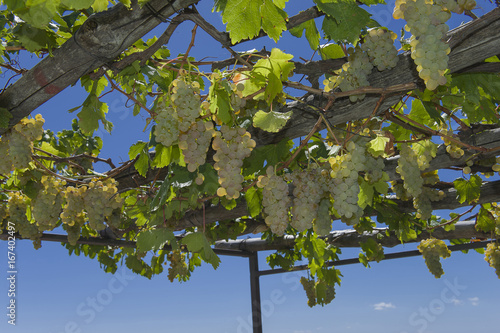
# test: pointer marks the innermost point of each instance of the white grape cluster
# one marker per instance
(354, 73)
(409, 170)
(345, 186)
(237, 101)
(73, 210)
(275, 200)
(432, 250)
(309, 186)
(166, 130)
(100, 199)
(195, 142)
(46, 207)
(232, 146)
(18, 205)
(425, 20)
(492, 256)
(178, 116)
(16, 145)
(379, 45)
(186, 101)
(454, 150)
(456, 6)
(314, 289)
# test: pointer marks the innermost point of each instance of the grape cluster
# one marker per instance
(232, 146)
(195, 142)
(354, 73)
(345, 187)
(178, 267)
(409, 170)
(16, 145)
(73, 211)
(275, 201)
(100, 199)
(379, 45)
(425, 20)
(432, 249)
(309, 287)
(422, 203)
(454, 150)
(309, 187)
(237, 101)
(166, 130)
(186, 101)
(46, 207)
(322, 225)
(492, 256)
(18, 204)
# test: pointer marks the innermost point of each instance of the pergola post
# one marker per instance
(255, 293)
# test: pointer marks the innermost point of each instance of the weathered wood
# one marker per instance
(351, 238)
(99, 40)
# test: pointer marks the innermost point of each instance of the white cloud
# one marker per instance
(383, 306)
(456, 301)
(474, 301)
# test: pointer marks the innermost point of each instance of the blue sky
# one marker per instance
(58, 293)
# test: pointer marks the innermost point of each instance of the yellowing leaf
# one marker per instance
(468, 190)
(100, 5)
(376, 147)
(271, 121)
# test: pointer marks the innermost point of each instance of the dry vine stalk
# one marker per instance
(373, 141)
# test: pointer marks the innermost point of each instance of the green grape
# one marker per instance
(275, 201)
(379, 46)
(20, 149)
(432, 249)
(492, 256)
(354, 73)
(46, 207)
(195, 143)
(186, 101)
(323, 223)
(232, 146)
(18, 205)
(73, 211)
(178, 267)
(100, 199)
(454, 150)
(409, 170)
(74, 232)
(166, 130)
(32, 128)
(5, 162)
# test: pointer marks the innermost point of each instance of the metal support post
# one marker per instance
(255, 293)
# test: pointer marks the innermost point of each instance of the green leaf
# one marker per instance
(271, 121)
(374, 251)
(162, 195)
(197, 242)
(344, 20)
(93, 110)
(331, 51)
(100, 5)
(154, 239)
(34, 39)
(273, 19)
(273, 154)
(220, 101)
(136, 149)
(77, 4)
(39, 13)
(253, 197)
(242, 17)
(365, 196)
(163, 156)
(485, 221)
(468, 190)
(5, 116)
(376, 147)
(311, 32)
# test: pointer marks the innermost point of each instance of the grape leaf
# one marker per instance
(100, 5)
(163, 156)
(468, 190)
(77, 4)
(344, 20)
(5, 116)
(162, 195)
(253, 197)
(93, 110)
(272, 153)
(154, 239)
(136, 149)
(34, 39)
(365, 196)
(271, 121)
(376, 147)
(311, 32)
(331, 51)
(485, 221)
(242, 17)
(197, 242)
(220, 102)
(273, 19)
